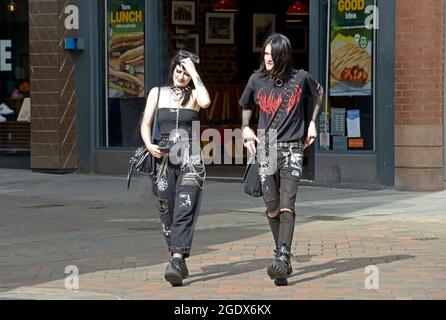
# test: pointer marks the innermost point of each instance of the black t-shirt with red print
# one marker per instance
(262, 91)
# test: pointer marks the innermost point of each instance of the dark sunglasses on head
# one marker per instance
(186, 54)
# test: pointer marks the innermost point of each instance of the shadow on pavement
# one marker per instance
(116, 249)
(342, 265)
(235, 268)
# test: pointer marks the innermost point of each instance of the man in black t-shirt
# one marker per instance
(282, 94)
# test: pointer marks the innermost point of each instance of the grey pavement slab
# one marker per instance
(112, 235)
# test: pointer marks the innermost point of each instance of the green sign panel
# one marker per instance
(351, 47)
(125, 48)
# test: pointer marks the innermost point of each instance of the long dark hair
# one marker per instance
(281, 54)
(176, 61)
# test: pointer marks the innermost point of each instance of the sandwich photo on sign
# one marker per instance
(351, 64)
(350, 67)
(125, 82)
(124, 42)
(126, 65)
(133, 57)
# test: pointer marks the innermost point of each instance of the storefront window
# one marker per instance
(348, 119)
(15, 104)
(125, 71)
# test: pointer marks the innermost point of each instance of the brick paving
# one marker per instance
(120, 253)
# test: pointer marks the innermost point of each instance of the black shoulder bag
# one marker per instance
(142, 160)
(251, 179)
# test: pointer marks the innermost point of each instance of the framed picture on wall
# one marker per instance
(298, 36)
(183, 12)
(189, 42)
(263, 25)
(219, 27)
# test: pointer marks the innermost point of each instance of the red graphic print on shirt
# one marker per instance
(269, 104)
(272, 102)
(294, 100)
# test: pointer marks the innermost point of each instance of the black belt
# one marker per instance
(180, 139)
(296, 144)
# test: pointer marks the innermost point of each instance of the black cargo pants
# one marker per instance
(178, 188)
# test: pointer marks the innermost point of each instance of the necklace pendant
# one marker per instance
(278, 82)
(177, 93)
(175, 137)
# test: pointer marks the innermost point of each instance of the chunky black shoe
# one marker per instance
(280, 268)
(174, 272)
(184, 270)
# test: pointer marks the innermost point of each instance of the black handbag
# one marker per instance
(251, 180)
(142, 160)
(252, 184)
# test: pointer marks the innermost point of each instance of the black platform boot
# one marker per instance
(280, 268)
(184, 270)
(174, 272)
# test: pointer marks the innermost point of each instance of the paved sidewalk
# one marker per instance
(112, 235)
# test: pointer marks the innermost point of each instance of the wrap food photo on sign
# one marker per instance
(351, 49)
(126, 54)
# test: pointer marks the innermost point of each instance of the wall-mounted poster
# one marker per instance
(183, 12)
(337, 121)
(353, 123)
(263, 25)
(351, 48)
(219, 27)
(126, 48)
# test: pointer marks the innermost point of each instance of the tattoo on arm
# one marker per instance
(198, 81)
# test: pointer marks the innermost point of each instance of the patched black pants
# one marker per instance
(178, 189)
(280, 188)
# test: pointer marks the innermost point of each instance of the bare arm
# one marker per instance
(246, 117)
(317, 101)
(201, 94)
(312, 131)
(146, 124)
(249, 136)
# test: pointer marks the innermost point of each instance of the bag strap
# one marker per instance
(142, 153)
(154, 125)
(288, 94)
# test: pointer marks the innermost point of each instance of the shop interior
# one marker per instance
(228, 36)
(15, 101)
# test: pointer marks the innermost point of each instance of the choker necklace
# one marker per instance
(178, 92)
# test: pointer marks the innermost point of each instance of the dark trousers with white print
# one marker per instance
(178, 188)
(280, 190)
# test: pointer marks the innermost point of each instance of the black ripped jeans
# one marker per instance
(178, 188)
(280, 189)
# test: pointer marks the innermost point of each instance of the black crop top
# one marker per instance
(167, 118)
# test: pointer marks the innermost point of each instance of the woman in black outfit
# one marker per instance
(180, 169)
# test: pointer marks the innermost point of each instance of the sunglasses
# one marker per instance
(186, 54)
